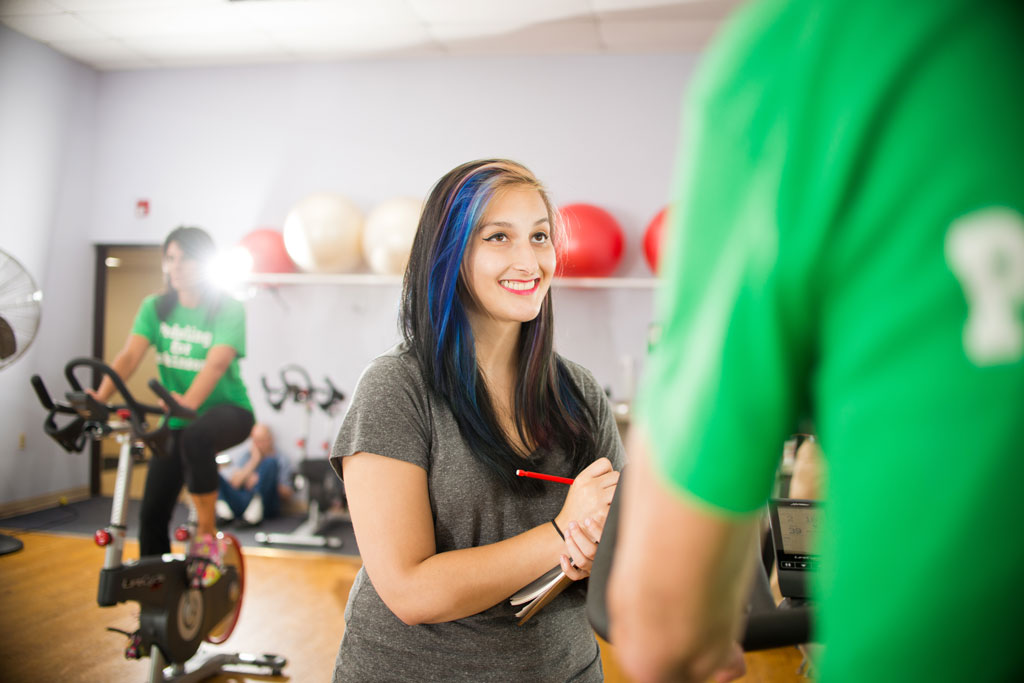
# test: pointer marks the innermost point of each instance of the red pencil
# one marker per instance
(545, 477)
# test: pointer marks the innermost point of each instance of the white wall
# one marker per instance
(231, 149)
(47, 130)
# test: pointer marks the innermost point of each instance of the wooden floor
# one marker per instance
(52, 630)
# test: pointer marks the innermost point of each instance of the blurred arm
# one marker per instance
(677, 588)
(124, 364)
(238, 477)
(218, 359)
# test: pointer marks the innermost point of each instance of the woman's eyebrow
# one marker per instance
(507, 225)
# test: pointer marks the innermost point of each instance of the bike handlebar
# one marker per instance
(174, 409)
(277, 402)
(297, 392)
(334, 396)
(42, 393)
(301, 391)
(91, 415)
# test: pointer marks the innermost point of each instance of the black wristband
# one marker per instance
(555, 524)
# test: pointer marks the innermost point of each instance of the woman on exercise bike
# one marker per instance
(199, 335)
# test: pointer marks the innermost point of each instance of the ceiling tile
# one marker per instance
(129, 5)
(207, 45)
(517, 13)
(301, 15)
(15, 7)
(262, 31)
(352, 39)
(50, 27)
(156, 21)
(307, 54)
(565, 37)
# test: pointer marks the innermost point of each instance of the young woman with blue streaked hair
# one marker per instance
(437, 428)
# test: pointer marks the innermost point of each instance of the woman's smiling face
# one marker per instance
(510, 259)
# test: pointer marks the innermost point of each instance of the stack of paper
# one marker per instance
(538, 593)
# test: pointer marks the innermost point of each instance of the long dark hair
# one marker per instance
(549, 410)
(197, 245)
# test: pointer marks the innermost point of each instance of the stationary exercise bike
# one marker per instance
(767, 625)
(174, 618)
(314, 474)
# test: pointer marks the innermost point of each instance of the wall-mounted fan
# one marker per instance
(20, 308)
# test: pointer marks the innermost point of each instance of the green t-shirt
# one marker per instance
(848, 244)
(182, 341)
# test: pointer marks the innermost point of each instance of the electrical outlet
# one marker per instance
(21, 441)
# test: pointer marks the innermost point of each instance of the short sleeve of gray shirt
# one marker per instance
(393, 413)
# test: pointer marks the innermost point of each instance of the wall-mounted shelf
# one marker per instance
(372, 279)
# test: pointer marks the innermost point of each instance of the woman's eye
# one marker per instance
(541, 237)
(496, 237)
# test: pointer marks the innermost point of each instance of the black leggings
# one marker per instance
(190, 459)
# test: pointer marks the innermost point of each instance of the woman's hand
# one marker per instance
(590, 494)
(588, 500)
(581, 545)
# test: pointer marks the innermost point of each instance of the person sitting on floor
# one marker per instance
(258, 482)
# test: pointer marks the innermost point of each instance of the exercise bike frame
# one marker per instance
(312, 531)
(174, 618)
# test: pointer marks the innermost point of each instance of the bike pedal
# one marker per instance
(134, 649)
(203, 573)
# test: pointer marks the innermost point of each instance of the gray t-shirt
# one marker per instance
(393, 413)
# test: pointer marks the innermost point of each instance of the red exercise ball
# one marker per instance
(653, 239)
(266, 246)
(593, 242)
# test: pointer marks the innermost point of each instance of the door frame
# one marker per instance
(99, 317)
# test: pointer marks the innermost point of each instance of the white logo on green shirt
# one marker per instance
(179, 352)
(985, 250)
(188, 333)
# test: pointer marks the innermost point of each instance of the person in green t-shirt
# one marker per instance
(848, 245)
(199, 335)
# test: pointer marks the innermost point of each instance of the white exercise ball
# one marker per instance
(388, 235)
(323, 233)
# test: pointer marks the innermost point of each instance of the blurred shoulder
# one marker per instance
(149, 302)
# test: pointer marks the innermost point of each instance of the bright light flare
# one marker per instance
(230, 268)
